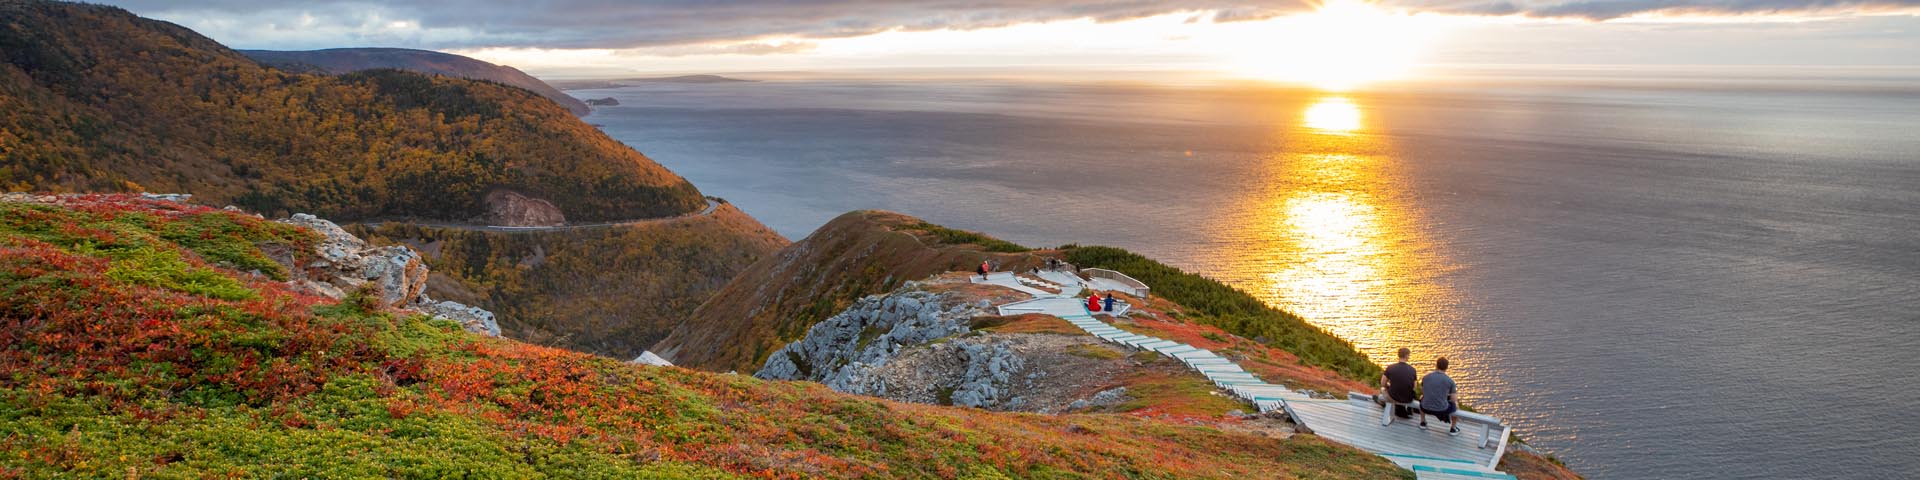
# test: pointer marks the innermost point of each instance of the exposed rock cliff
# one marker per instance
(508, 208)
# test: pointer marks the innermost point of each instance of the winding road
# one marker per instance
(712, 205)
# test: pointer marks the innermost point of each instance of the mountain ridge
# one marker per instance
(337, 61)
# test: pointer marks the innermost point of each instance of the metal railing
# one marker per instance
(1139, 288)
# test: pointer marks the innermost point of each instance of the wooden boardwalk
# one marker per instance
(1431, 454)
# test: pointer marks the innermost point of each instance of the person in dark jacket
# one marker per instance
(1109, 303)
(1397, 384)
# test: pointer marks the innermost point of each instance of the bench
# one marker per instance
(1386, 413)
(1487, 422)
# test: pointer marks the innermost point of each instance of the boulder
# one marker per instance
(168, 197)
(1108, 397)
(473, 319)
(649, 358)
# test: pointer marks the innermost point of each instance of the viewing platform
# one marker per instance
(1432, 454)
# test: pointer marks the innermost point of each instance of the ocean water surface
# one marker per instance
(1688, 277)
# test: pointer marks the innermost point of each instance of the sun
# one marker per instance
(1335, 115)
(1342, 45)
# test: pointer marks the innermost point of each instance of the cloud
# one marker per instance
(781, 26)
(1601, 10)
(631, 24)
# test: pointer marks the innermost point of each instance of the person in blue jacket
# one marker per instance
(1109, 303)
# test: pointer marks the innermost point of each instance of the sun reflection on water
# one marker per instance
(1327, 236)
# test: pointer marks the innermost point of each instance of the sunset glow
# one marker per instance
(1339, 47)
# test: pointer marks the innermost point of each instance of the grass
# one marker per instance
(1213, 303)
(1029, 323)
(1094, 352)
(1157, 391)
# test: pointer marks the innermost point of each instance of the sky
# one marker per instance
(1337, 43)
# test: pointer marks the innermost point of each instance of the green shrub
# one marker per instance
(165, 269)
(1213, 303)
(956, 237)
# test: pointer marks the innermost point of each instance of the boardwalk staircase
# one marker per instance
(1355, 421)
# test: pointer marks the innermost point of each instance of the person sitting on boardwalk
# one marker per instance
(1109, 303)
(1093, 303)
(1437, 398)
(1397, 383)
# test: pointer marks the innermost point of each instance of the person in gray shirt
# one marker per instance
(1437, 398)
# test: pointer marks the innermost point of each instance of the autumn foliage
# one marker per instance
(166, 371)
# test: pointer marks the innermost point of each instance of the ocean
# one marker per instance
(1701, 274)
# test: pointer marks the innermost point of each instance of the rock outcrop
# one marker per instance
(978, 374)
(919, 344)
(511, 209)
(396, 275)
(346, 263)
(842, 351)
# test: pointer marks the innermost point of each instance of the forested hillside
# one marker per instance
(611, 291)
(97, 99)
(348, 60)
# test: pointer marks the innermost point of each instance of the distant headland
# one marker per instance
(627, 82)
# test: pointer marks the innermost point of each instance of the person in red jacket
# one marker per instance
(984, 269)
(1093, 303)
